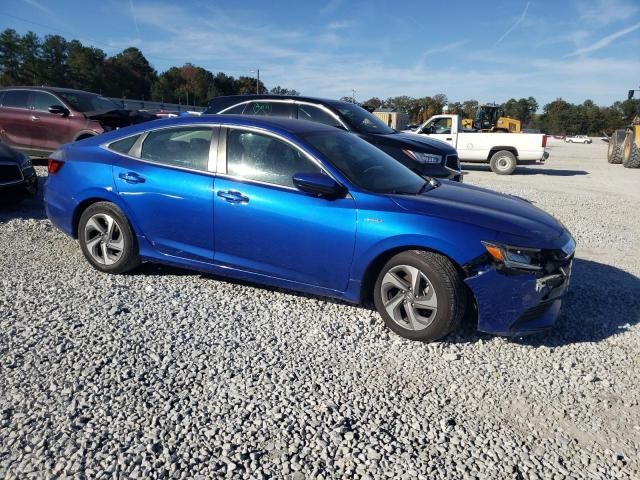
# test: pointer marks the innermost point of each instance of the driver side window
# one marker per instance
(266, 159)
(441, 125)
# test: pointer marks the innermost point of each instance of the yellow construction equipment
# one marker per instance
(489, 118)
(624, 144)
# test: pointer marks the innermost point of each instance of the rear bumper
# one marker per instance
(514, 305)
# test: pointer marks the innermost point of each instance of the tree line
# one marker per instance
(29, 60)
(558, 117)
(54, 61)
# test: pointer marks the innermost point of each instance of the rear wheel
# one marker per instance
(420, 295)
(107, 240)
(503, 162)
(631, 152)
(614, 154)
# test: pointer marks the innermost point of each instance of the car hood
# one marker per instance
(504, 214)
(415, 142)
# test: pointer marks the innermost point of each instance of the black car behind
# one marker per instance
(17, 176)
(426, 156)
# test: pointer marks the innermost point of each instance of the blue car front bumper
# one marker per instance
(518, 304)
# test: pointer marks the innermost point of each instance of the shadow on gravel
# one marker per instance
(529, 171)
(603, 301)
(24, 208)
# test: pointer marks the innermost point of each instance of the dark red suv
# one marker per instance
(37, 120)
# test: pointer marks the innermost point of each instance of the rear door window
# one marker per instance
(186, 147)
(270, 109)
(124, 146)
(41, 101)
(16, 99)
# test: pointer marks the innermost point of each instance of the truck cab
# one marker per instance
(503, 151)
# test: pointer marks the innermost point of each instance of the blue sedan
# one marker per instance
(311, 208)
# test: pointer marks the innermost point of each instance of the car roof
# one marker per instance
(227, 101)
(46, 89)
(283, 126)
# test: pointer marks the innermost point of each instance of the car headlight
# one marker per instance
(422, 157)
(514, 257)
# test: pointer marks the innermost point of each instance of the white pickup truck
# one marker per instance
(503, 151)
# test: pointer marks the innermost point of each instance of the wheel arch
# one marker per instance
(92, 197)
(374, 267)
(83, 135)
(507, 148)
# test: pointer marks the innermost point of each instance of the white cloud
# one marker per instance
(39, 6)
(604, 42)
(339, 25)
(519, 20)
(219, 41)
(606, 12)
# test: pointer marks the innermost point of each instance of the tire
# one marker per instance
(440, 288)
(631, 152)
(614, 154)
(503, 162)
(107, 239)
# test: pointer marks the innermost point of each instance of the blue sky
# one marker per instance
(489, 51)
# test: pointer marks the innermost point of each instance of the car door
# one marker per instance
(440, 128)
(16, 123)
(50, 130)
(166, 181)
(266, 226)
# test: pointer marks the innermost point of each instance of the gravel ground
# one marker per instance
(167, 373)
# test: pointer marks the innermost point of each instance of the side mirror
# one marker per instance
(59, 110)
(318, 184)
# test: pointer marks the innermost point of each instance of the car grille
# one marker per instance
(452, 162)
(9, 173)
(530, 315)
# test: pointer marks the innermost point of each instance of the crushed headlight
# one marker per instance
(514, 257)
(422, 157)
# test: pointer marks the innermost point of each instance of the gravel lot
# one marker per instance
(172, 374)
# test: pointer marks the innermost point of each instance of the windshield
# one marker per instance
(364, 165)
(88, 102)
(361, 120)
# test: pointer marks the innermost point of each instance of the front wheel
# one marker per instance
(503, 162)
(107, 240)
(420, 295)
(631, 152)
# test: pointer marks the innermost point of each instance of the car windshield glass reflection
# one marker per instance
(85, 102)
(364, 165)
(361, 120)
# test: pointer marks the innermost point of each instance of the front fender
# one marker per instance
(455, 252)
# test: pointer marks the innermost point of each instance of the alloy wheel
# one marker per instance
(103, 239)
(408, 297)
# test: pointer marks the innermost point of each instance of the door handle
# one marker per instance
(34, 118)
(449, 138)
(232, 196)
(131, 177)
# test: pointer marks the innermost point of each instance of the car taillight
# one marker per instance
(54, 166)
(544, 141)
(56, 160)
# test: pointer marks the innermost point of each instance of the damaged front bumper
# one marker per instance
(519, 303)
